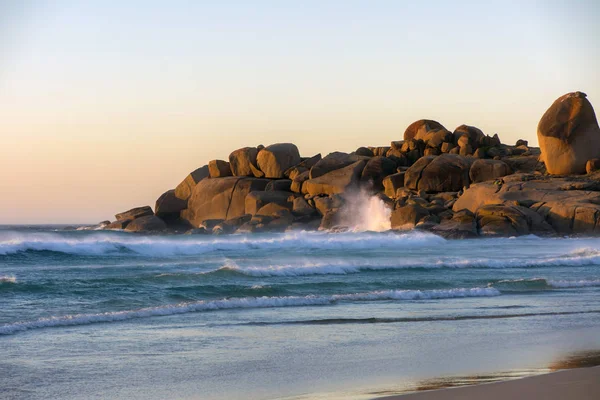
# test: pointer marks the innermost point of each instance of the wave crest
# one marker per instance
(246, 302)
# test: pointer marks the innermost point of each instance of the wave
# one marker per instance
(533, 284)
(7, 279)
(343, 267)
(89, 243)
(245, 302)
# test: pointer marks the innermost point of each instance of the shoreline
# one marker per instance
(581, 383)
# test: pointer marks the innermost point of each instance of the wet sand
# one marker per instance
(576, 384)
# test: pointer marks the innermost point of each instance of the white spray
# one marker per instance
(364, 212)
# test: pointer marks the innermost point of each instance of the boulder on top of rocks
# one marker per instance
(243, 162)
(305, 165)
(256, 200)
(148, 223)
(488, 170)
(219, 169)
(331, 162)
(419, 128)
(183, 191)
(472, 136)
(569, 135)
(275, 159)
(221, 198)
(168, 206)
(337, 181)
(134, 213)
(376, 169)
(444, 173)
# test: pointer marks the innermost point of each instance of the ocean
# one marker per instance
(297, 315)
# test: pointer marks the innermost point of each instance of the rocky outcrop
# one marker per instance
(459, 184)
(275, 159)
(569, 135)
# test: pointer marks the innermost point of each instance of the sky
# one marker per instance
(104, 105)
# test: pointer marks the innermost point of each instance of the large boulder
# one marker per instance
(510, 220)
(169, 206)
(337, 181)
(221, 198)
(569, 135)
(392, 183)
(219, 169)
(256, 200)
(243, 162)
(134, 213)
(419, 128)
(149, 223)
(183, 191)
(376, 169)
(488, 170)
(298, 181)
(462, 225)
(275, 159)
(407, 216)
(331, 162)
(444, 173)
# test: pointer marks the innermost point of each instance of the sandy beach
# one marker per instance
(580, 384)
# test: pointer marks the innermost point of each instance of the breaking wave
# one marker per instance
(246, 302)
(88, 243)
(542, 284)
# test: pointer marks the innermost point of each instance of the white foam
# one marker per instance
(105, 243)
(7, 279)
(308, 267)
(574, 284)
(246, 302)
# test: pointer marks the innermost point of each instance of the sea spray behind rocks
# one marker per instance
(365, 212)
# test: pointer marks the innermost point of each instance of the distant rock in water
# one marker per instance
(456, 184)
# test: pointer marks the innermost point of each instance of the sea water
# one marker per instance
(97, 314)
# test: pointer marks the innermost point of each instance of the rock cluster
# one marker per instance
(458, 184)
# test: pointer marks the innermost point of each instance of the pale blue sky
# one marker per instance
(106, 104)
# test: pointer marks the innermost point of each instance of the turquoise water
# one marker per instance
(91, 314)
